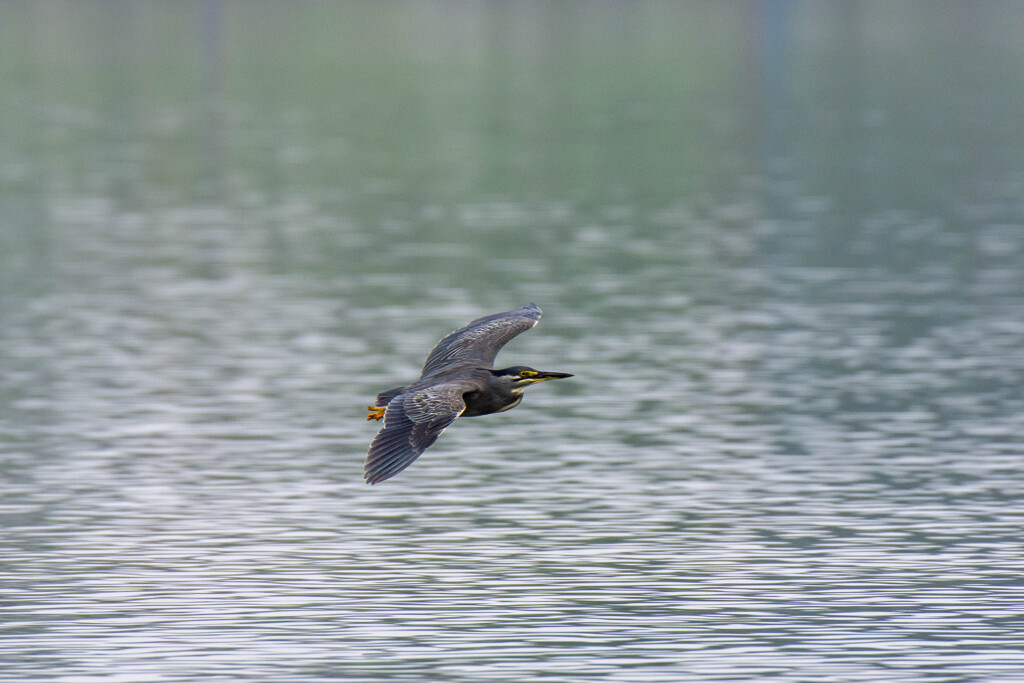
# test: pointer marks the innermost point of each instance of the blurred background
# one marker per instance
(779, 244)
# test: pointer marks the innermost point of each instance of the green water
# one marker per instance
(778, 244)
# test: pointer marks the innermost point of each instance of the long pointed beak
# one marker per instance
(544, 376)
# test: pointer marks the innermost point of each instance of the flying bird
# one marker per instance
(458, 380)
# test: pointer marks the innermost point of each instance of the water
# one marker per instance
(792, 446)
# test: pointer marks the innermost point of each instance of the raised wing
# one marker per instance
(478, 343)
(412, 422)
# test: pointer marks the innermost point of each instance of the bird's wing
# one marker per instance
(412, 422)
(479, 342)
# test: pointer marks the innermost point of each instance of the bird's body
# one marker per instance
(491, 396)
(457, 380)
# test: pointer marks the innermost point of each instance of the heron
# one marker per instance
(458, 380)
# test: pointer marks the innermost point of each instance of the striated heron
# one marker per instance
(458, 379)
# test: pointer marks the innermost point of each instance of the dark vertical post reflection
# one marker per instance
(36, 225)
(497, 106)
(769, 35)
(847, 156)
(211, 37)
(116, 159)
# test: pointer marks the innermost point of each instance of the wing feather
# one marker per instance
(412, 423)
(478, 343)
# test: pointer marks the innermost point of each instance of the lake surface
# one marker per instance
(780, 245)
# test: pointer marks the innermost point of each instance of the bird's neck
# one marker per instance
(498, 398)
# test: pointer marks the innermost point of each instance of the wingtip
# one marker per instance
(372, 476)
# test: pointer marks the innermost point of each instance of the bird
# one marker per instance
(458, 380)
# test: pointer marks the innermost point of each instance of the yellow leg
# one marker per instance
(375, 413)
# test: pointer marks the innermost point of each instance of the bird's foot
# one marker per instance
(375, 413)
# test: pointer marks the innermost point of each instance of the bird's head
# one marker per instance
(519, 376)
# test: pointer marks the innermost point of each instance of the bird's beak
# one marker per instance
(545, 376)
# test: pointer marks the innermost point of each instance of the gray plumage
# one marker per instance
(457, 379)
(478, 343)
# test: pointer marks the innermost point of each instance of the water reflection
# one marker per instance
(791, 445)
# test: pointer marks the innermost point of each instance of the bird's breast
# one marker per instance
(517, 398)
(485, 403)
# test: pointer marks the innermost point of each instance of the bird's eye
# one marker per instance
(527, 373)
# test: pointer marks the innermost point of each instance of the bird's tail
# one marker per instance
(384, 397)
